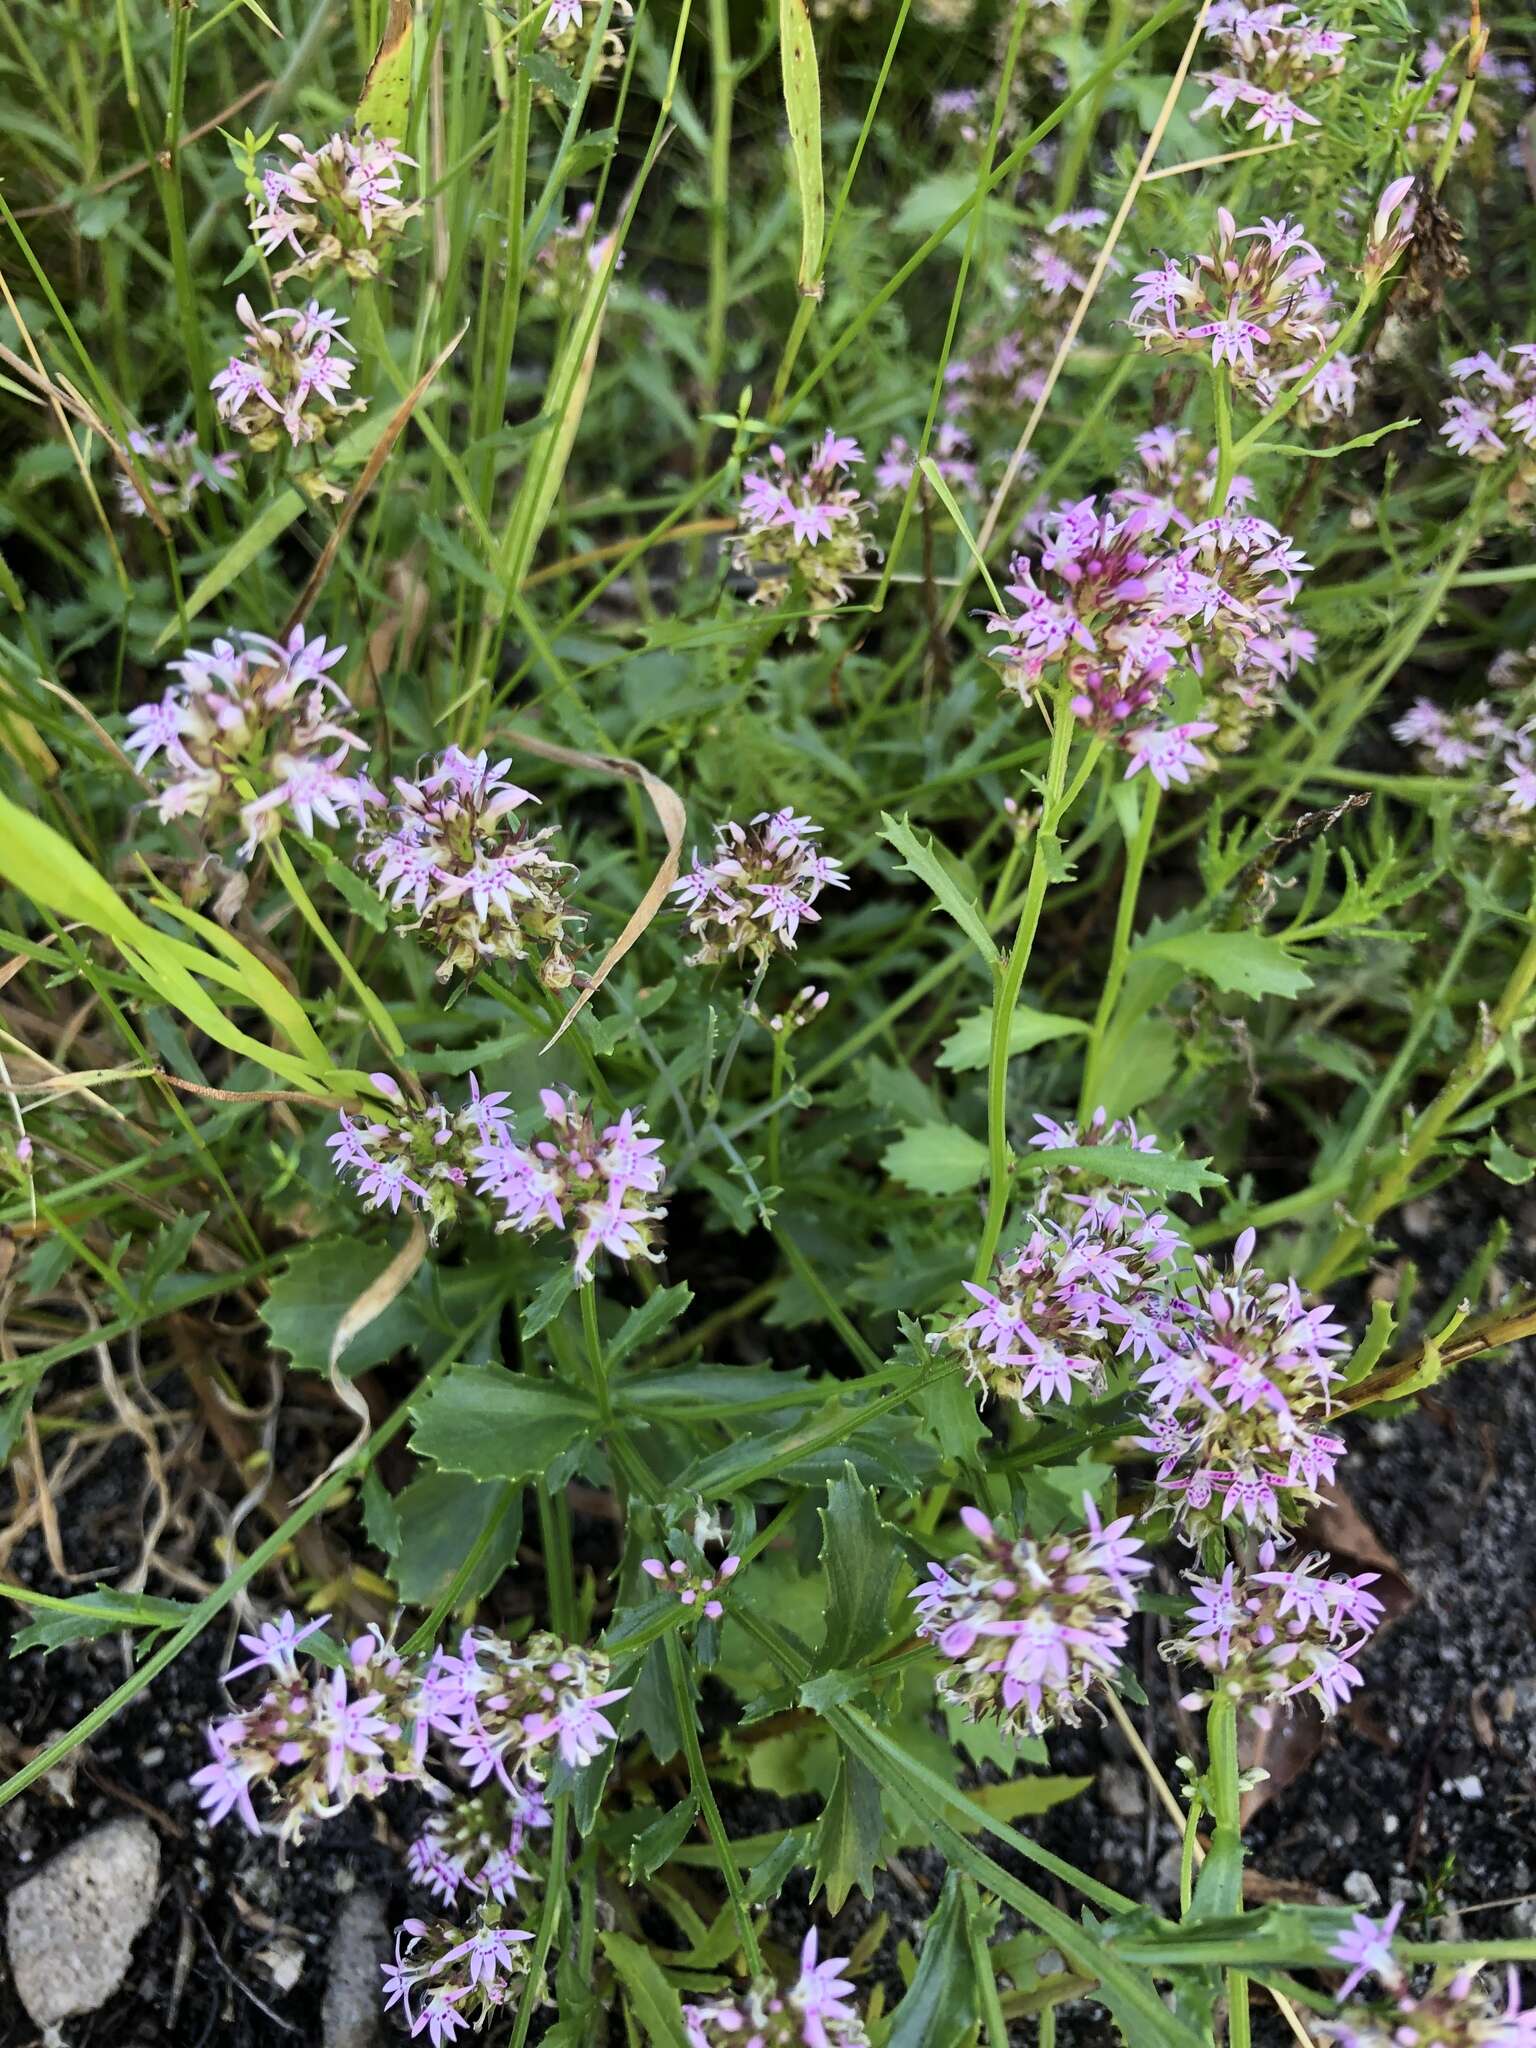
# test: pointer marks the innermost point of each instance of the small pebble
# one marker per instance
(70, 1929)
(1360, 1889)
(349, 2018)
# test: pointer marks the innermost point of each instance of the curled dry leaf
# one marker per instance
(365, 1309)
(672, 815)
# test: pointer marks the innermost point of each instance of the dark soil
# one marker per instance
(1427, 1792)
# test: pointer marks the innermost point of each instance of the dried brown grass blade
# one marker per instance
(64, 397)
(672, 816)
(369, 478)
(367, 1308)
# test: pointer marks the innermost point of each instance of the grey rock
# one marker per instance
(1122, 1791)
(70, 1929)
(353, 1988)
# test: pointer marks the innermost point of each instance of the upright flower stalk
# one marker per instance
(1008, 975)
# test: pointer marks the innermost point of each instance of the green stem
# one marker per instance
(595, 1358)
(549, 1920)
(723, 89)
(168, 178)
(1482, 1054)
(1226, 458)
(1221, 1888)
(775, 1094)
(1011, 980)
(829, 1307)
(459, 1584)
(1120, 946)
(698, 1775)
(377, 1015)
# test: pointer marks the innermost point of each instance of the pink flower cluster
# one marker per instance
(479, 884)
(816, 2011)
(1257, 301)
(317, 1739)
(1267, 1636)
(474, 1844)
(957, 116)
(1174, 481)
(804, 525)
(1491, 743)
(598, 1184)
(693, 1587)
(336, 206)
(996, 382)
(1059, 259)
(1274, 54)
(175, 469)
(461, 1977)
(509, 1710)
(761, 886)
(953, 457)
(1116, 606)
(253, 713)
(568, 261)
(1453, 2010)
(1028, 1629)
(1495, 405)
(290, 377)
(1094, 1282)
(418, 1153)
(1238, 1403)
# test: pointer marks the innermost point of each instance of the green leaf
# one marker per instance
(934, 202)
(544, 71)
(1127, 1168)
(1243, 963)
(43, 865)
(650, 1998)
(253, 540)
(987, 1742)
(936, 1159)
(946, 497)
(440, 1517)
(384, 105)
(1132, 1993)
(849, 1835)
(359, 895)
(1026, 1795)
(1509, 1165)
(495, 1424)
(321, 1280)
(920, 859)
(549, 1299)
(1316, 454)
(941, 2004)
(802, 104)
(708, 1393)
(862, 1562)
(767, 1879)
(647, 1321)
(102, 1612)
(969, 1046)
(660, 1842)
